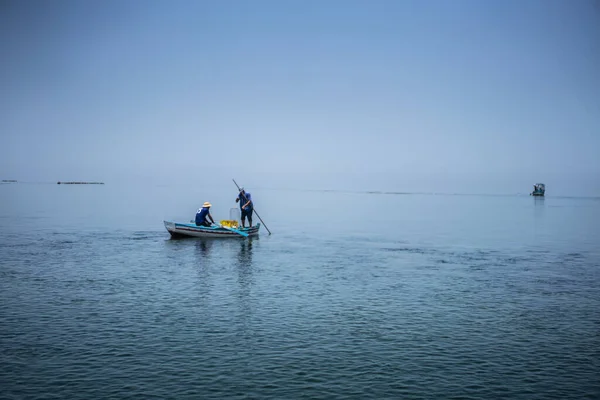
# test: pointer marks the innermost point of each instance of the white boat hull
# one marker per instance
(177, 229)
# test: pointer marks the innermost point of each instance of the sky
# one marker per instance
(462, 96)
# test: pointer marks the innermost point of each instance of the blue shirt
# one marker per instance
(201, 215)
(244, 198)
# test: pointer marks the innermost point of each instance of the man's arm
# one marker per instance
(248, 199)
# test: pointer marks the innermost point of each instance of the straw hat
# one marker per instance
(206, 204)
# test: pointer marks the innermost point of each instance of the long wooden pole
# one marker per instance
(263, 222)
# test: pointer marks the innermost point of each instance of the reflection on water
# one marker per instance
(244, 264)
(539, 210)
(245, 253)
(245, 280)
(203, 248)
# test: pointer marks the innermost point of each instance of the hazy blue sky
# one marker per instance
(456, 96)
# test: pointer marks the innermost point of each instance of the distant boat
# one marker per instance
(177, 229)
(80, 183)
(539, 189)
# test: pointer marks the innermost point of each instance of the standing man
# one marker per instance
(246, 206)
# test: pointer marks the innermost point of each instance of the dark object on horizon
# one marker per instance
(539, 189)
(9, 180)
(79, 183)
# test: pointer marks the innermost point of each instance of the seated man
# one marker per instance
(203, 215)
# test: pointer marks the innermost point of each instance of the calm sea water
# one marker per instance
(355, 295)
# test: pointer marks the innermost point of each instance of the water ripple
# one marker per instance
(136, 315)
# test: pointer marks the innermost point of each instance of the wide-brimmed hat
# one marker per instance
(241, 189)
(206, 204)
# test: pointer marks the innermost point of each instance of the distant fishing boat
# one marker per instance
(80, 183)
(538, 189)
(177, 229)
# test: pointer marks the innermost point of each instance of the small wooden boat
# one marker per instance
(177, 229)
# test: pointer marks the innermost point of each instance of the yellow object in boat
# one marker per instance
(229, 223)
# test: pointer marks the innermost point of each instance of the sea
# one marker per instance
(354, 295)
